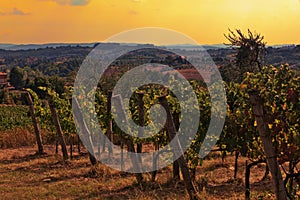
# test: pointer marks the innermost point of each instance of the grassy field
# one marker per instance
(23, 175)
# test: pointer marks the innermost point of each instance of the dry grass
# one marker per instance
(20, 137)
(24, 175)
(16, 138)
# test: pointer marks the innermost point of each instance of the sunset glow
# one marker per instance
(47, 21)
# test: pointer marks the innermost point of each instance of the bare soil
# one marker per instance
(24, 175)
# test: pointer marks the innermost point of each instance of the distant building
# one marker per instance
(4, 84)
(3, 80)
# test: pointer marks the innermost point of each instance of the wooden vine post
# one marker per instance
(58, 128)
(269, 149)
(171, 132)
(109, 123)
(109, 132)
(84, 131)
(176, 170)
(134, 159)
(35, 124)
(141, 123)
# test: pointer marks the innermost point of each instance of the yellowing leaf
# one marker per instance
(284, 106)
(255, 123)
(270, 126)
(243, 86)
(273, 109)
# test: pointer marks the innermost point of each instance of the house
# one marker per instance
(3, 80)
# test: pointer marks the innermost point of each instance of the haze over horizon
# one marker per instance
(87, 21)
(129, 43)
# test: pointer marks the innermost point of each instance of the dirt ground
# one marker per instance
(24, 175)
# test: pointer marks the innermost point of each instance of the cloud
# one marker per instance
(80, 2)
(15, 11)
(132, 12)
(60, 2)
(71, 2)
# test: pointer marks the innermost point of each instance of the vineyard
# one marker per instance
(240, 139)
(257, 155)
(14, 117)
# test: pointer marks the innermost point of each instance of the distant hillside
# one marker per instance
(15, 47)
(64, 60)
(190, 47)
(6, 46)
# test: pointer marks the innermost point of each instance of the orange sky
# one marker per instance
(45, 21)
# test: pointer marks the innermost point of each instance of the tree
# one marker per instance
(251, 50)
(57, 84)
(38, 82)
(17, 78)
